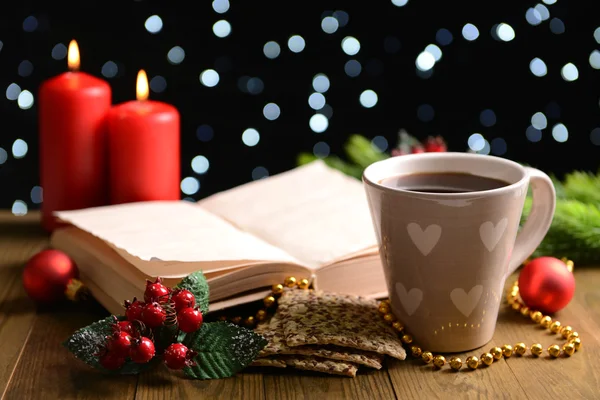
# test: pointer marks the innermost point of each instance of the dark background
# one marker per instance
(471, 76)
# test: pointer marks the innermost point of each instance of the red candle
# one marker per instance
(144, 154)
(72, 134)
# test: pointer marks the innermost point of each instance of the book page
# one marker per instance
(313, 212)
(172, 231)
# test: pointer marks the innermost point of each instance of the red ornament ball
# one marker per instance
(545, 284)
(47, 275)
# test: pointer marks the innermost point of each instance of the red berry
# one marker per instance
(189, 319)
(124, 326)
(112, 361)
(183, 299)
(435, 144)
(134, 310)
(142, 350)
(156, 291)
(178, 356)
(119, 344)
(153, 315)
(417, 149)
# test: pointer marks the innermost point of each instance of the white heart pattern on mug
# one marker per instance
(465, 303)
(410, 300)
(425, 240)
(490, 234)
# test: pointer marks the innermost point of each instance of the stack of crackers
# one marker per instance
(327, 332)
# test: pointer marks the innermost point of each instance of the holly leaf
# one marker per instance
(196, 283)
(223, 349)
(87, 342)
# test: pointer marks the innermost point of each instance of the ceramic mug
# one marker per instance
(446, 256)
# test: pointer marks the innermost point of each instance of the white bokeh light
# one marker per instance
(3, 156)
(425, 61)
(222, 28)
(318, 123)
(470, 32)
(19, 148)
(476, 142)
(37, 194)
(350, 45)
(260, 172)
(176, 55)
(597, 35)
(296, 43)
(190, 185)
(368, 98)
(543, 10)
(200, 164)
(220, 6)
(110, 69)
(533, 17)
(595, 59)
(209, 78)
(271, 111)
(330, 25)
(25, 100)
(505, 32)
(538, 67)
(560, 133)
(321, 83)
(549, 2)
(19, 208)
(13, 91)
(569, 72)
(399, 3)
(271, 50)
(316, 101)
(435, 51)
(250, 137)
(539, 121)
(59, 51)
(153, 24)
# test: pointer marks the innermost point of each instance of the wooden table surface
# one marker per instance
(34, 365)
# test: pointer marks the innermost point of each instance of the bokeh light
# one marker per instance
(539, 121)
(200, 164)
(560, 133)
(259, 172)
(19, 208)
(487, 118)
(209, 78)
(316, 101)
(569, 72)
(470, 32)
(350, 45)
(19, 148)
(271, 50)
(250, 137)
(271, 111)
(318, 123)
(533, 135)
(330, 25)
(368, 98)
(25, 100)
(476, 142)
(154, 24)
(321, 149)
(296, 43)
(176, 55)
(538, 67)
(352, 68)
(110, 69)
(222, 28)
(190, 185)
(220, 6)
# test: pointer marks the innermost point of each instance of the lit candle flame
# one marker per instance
(73, 56)
(141, 89)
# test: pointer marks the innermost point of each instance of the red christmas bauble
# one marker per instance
(48, 274)
(545, 284)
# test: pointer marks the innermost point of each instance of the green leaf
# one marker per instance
(87, 342)
(223, 350)
(196, 283)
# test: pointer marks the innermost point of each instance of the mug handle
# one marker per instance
(539, 220)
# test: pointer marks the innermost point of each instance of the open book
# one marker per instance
(310, 222)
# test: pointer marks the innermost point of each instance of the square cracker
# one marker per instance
(316, 317)
(268, 362)
(273, 332)
(309, 363)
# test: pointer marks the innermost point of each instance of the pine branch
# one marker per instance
(575, 232)
(583, 186)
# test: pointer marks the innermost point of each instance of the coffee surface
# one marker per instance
(446, 182)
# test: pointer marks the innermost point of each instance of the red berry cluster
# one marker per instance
(132, 338)
(408, 144)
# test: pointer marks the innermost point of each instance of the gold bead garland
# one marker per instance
(572, 345)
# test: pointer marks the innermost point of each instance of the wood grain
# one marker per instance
(566, 377)
(19, 240)
(33, 364)
(291, 384)
(161, 383)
